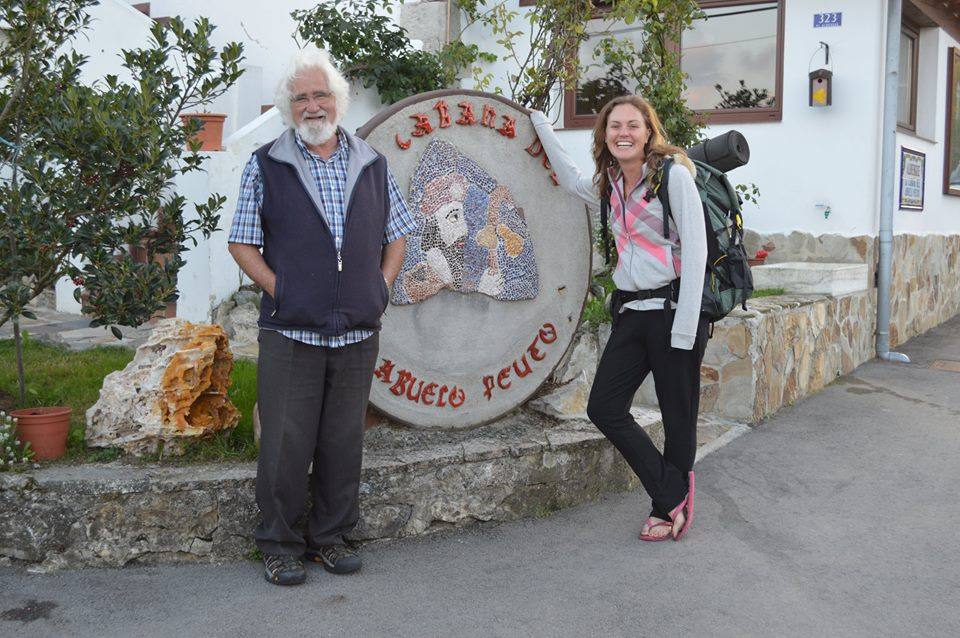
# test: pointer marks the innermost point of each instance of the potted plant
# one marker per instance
(43, 430)
(758, 258)
(208, 133)
(761, 255)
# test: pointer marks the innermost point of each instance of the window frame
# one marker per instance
(909, 30)
(953, 59)
(709, 116)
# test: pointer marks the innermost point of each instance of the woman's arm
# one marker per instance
(687, 213)
(568, 174)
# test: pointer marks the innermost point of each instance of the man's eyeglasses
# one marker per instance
(303, 99)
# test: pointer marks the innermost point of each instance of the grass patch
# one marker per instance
(58, 376)
(768, 292)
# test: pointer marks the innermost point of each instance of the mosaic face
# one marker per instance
(471, 236)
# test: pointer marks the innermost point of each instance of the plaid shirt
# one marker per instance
(331, 177)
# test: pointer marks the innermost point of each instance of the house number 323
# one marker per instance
(827, 19)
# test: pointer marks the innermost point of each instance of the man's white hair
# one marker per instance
(310, 57)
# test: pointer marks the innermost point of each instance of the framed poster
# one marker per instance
(912, 169)
(951, 159)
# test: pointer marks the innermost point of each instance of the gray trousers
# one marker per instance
(312, 402)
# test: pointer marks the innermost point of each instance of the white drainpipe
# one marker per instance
(887, 175)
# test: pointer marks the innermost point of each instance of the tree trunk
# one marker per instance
(19, 347)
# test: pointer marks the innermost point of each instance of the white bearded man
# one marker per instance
(319, 226)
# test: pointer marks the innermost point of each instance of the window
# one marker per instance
(907, 91)
(597, 85)
(733, 57)
(734, 60)
(951, 159)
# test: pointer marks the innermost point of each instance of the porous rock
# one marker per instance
(174, 390)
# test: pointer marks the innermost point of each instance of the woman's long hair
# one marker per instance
(654, 150)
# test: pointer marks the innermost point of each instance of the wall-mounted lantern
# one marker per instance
(821, 80)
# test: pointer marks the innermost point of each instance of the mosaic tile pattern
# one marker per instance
(471, 237)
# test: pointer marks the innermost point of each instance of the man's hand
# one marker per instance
(251, 262)
(392, 259)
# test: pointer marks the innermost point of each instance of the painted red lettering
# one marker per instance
(443, 391)
(535, 148)
(427, 397)
(441, 108)
(489, 117)
(384, 371)
(546, 162)
(509, 128)
(466, 114)
(422, 126)
(457, 397)
(535, 352)
(411, 396)
(403, 377)
(403, 145)
(553, 178)
(526, 367)
(488, 386)
(548, 333)
(502, 378)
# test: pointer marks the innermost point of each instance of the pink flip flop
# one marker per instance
(651, 526)
(685, 506)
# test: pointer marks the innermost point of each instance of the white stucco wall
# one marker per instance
(265, 29)
(114, 26)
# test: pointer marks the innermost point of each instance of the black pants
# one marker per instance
(312, 402)
(638, 346)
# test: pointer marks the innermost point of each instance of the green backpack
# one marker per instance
(728, 282)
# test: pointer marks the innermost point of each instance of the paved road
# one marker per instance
(837, 516)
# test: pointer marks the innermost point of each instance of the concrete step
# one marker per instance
(804, 278)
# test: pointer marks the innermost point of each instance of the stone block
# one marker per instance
(582, 360)
(566, 402)
(241, 324)
(807, 277)
(175, 389)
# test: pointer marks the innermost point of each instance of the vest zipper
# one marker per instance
(339, 262)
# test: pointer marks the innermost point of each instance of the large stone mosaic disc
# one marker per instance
(495, 275)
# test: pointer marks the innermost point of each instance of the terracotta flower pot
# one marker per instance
(45, 429)
(211, 134)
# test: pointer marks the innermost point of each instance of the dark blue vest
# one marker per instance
(318, 289)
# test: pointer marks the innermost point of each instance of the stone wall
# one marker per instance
(925, 281)
(412, 483)
(925, 288)
(782, 349)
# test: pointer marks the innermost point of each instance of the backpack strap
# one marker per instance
(661, 183)
(604, 222)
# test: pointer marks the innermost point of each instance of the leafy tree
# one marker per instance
(87, 172)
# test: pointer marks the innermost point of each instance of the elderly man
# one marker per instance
(330, 220)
